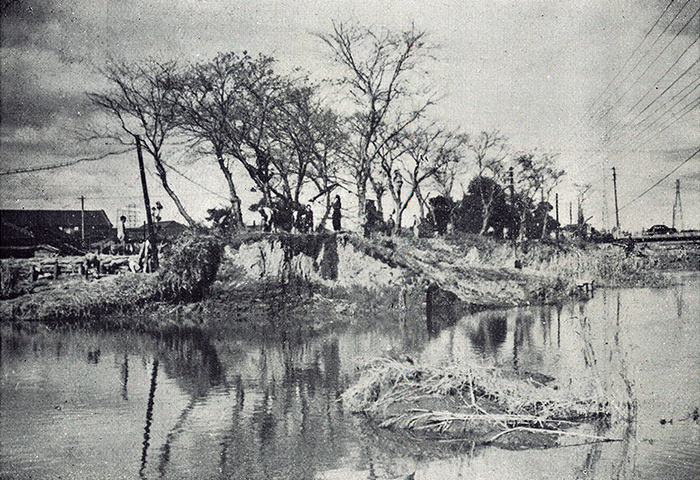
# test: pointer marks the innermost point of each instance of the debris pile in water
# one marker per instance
(479, 404)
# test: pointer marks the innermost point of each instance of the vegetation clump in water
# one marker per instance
(478, 404)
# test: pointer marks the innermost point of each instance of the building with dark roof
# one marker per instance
(59, 228)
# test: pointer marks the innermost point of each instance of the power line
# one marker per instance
(612, 129)
(194, 182)
(62, 165)
(661, 180)
(686, 110)
(667, 111)
(646, 35)
(659, 80)
(639, 61)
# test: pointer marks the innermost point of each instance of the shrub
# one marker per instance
(190, 267)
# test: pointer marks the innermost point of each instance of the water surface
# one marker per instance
(82, 405)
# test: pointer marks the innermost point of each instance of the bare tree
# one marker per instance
(207, 101)
(489, 149)
(426, 151)
(141, 99)
(377, 67)
(535, 172)
(447, 172)
(311, 135)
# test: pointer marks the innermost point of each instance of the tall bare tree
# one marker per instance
(206, 102)
(311, 135)
(426, 150)
(489, 149)
(378, 68)
(141, 100)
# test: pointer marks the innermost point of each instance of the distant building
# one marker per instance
(61, 229)
(131, 213)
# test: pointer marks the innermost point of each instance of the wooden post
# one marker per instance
(147, 204)
(82, 221)
(556, 202)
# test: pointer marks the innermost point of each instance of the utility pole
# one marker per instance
(512, 202)
(517, 263)
(147, 204)
(556, 203)
(678, 207)
(82, 221)
(617, 214)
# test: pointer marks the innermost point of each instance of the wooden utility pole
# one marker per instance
(147, 204)
(512, 201)
(617, 215)
(556, 203)
(82, 220)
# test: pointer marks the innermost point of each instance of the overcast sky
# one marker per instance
(535, 70)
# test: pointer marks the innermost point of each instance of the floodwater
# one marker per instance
(77, 404)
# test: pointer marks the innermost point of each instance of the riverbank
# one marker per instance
(204, 280)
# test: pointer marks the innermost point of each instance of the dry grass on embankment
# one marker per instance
(479, 404)
(186, 273)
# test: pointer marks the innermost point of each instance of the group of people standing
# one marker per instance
(284, 218)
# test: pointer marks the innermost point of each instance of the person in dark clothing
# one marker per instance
(308, 219)
(336, 213)
(390, 224)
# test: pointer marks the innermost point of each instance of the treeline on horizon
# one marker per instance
(368, 131)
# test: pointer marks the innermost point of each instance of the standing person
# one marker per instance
(121, 229)
(390, 224)
(336, 213)
(308, 219)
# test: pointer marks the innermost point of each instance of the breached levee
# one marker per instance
(325, 259)
(479, 404)
(347, 260)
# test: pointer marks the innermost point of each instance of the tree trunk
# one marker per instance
(327, 212)
(235, 199)
(485, 217)
(164, 180)
(361, 200)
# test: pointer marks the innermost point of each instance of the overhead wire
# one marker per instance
(669, 109)
(629, 58)
(686, 110)
(194, 182)
(62, 165)
(663, 32)
(663, 92)
(660, 180)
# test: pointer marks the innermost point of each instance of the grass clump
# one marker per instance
(477, 404)
(189, 269)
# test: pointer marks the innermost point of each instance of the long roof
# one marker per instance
(55, 218)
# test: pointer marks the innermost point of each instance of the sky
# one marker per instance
(589, 81)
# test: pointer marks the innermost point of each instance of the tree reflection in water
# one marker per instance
(263, 404)
(490, 334)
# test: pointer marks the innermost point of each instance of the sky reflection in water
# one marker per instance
(80, 404)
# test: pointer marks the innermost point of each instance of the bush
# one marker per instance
(11, 284)
(190, 267)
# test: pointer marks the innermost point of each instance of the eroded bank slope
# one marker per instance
(345, 261)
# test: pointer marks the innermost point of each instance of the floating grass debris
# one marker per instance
(480, 404)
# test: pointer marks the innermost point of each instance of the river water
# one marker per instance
(80, 404)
